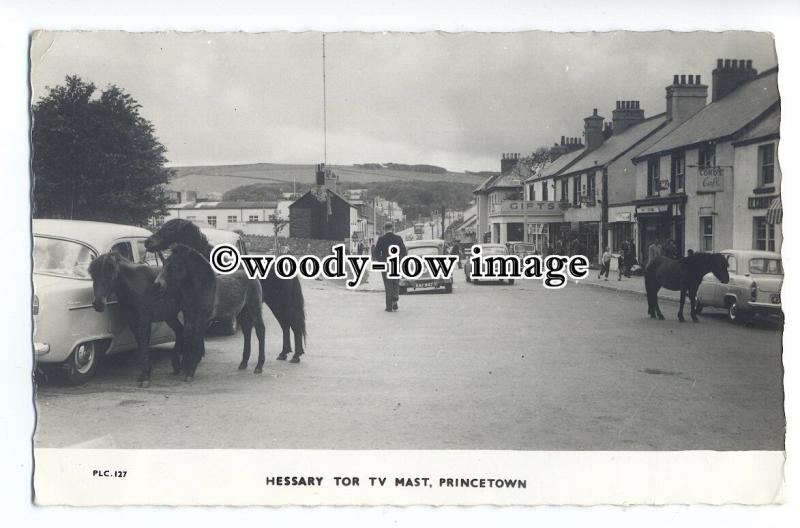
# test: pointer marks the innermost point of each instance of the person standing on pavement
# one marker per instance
(380, 253)
(654, 250)
(605, 263)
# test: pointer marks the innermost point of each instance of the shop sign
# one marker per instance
(650, 209)
(710, 180)
(623, 217)
(759, 202)
(517, 207)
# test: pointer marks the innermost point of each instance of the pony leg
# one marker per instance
(261, 334)
(175, 356)
(198, 350)
(286, 330)
(680, 308)
(298, 345)
(142, 333)
(693, 302)
(246, 326)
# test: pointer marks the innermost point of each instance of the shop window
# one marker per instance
(766, 165)
(763, 234)
(707, 233)
(653, 176)
(678, 173)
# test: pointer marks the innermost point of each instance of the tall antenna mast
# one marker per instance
(324, 106)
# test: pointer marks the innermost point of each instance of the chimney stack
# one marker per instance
(593, 130)
(729, 75)
(625, 115)
(508, 162)
(685, 97)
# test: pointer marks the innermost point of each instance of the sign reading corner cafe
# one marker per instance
(710, 179)
(519, 207)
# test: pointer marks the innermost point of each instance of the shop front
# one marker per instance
(523, 221)
(660, 223)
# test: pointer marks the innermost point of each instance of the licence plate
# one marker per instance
(427, 284)
(776, 298)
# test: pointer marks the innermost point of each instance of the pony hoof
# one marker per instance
(144, 384)
(295, 359)
(188, 378)
(282, 356)
(695, 320)
(660, 317)
(681, 319)
(242, 366)
(257, 370)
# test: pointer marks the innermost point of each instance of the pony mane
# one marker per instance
(196, 239)
(180, 250)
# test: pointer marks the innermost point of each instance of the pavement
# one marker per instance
(489, 366)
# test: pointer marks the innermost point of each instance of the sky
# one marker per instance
(457, 100)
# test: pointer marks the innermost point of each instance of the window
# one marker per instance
(763, 234)
(545, 185)
(125, 249)
(766, 165)
(731, 264)
(252, 218)
(151, 259)
(532, 192)
(678, 173)
(564, 190)
(232, 219)
(766, 266)
(707, 156)
(212, 221)
(707, 233)
(576, 190)
(590, 189)
(653, 176)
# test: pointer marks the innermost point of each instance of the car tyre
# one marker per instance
(81, 365)
(510, 281)
(735, 314)
(698, 308)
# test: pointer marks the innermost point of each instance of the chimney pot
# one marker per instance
(594, 111)
(618, 102)
(562, 140)
(683, 79)
(749, 64)
(727, 63)
(697, 79)
(719, 63)
(674, 79)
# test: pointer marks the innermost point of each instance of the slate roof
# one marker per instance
(224, 205)
(768, 126)
(724, 117)
(561, 163)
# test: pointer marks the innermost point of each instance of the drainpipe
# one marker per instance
(604, 215)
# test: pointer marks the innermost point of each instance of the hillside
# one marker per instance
(222, 178)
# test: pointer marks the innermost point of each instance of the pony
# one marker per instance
(141, 303)
(684, 275)
(205, 296)
(284, 297)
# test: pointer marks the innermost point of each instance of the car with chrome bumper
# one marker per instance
(426, 281)
(754, 289)
(68, 333)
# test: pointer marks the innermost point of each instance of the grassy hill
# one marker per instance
(222, 178)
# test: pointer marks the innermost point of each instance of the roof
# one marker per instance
(768, 126)
(486, 183)
(99, 235)
(617, 145)
(334, 193)
(505, 180)
(225, 205)
(561, 163)
(724, 117)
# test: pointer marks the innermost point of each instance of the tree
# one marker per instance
(278, 223)
(95, 158)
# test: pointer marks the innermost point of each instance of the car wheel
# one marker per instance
(735, 314)
(698, 308)
(448, 288)
(81, 364)
(510, 281)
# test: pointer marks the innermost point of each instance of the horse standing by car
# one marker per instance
(141, 303)
(283, 296)
(205, 296)
(683, 275)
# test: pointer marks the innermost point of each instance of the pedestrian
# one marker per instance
(654, 250)
(360, 247)
(671, 251)
(380, 253)
(456, 250)
(605, 263)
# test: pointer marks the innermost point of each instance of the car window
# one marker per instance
(766, 266)
(494, 251)
(145, 257)
(731, 263)
(61, 257)
(423, 250)
(124, 248)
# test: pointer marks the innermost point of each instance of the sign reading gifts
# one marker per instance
(527, 207)
(710, 179)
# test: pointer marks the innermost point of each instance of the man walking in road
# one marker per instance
(380, 253)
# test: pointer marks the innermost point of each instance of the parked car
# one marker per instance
(521, 249)
(754, 288)
(68, 332)
(486, 250)
(426, 280)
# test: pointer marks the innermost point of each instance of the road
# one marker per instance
(486, 367)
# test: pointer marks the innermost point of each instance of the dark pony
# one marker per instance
(205, 296)
(141, 303)
(683, 275)
(283, 296)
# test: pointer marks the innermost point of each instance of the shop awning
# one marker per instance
(775, 212)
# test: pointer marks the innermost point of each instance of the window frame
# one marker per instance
(706, 237)
(678, 178)
(769, 242)
(762, 165)
(653, 176)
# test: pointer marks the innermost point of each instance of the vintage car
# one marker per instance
(754, 288)
(426, 281)
(486, 250)
(68, 332)
(521, 249)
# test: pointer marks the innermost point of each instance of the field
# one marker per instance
(221, 178)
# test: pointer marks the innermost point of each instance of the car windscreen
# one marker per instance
(766, 266)
(423, 250)
(61, 257)
(493, 251)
